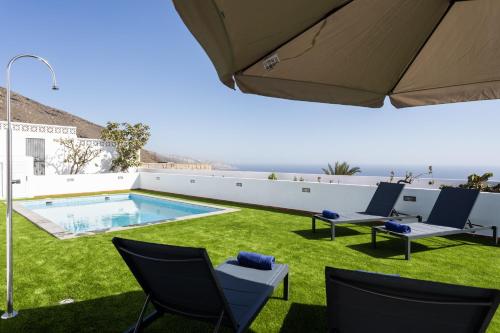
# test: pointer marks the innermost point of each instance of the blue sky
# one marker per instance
(135, 61)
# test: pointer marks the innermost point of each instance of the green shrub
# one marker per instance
(477, 182)
(272, 176)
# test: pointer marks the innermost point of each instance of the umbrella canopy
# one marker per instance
(354, 52)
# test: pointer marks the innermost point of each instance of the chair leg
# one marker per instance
(374, 238)
(407, 249)
(219, 322)
(332, 236)
(146, 321)
(138, 325)
(314, 224)
(286, 288)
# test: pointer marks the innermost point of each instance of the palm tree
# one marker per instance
(341, 169)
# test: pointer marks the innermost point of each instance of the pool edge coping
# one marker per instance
(60, 233)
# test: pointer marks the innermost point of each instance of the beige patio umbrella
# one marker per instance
(355, 52)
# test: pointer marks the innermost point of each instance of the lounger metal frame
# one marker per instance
(379, 209)
(449, 216)
(408, 238)
(360, 217)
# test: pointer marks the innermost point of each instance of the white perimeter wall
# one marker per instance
(291, 195)
(305, 196)
(308, 177)
(65, 184)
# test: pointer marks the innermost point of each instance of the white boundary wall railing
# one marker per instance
(349, 180)
(307, 196)
(81, 183)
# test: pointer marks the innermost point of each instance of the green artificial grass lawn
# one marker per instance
(108, 299)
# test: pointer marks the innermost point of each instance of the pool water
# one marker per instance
(84, 214)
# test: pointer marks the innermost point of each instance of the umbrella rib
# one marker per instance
(422, 47)
(331, 12)
(313, 42)
(222, 17)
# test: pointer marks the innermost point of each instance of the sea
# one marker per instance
(439, 171)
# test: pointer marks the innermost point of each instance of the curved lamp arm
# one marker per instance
(13, 60)
(10, 313)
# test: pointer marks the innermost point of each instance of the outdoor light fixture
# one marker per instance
(10, 312)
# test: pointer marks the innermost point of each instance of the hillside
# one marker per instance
(29, 111)
(216, 165)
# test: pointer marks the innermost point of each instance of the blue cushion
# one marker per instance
(394, 226)
(330, 214)
(255, 260)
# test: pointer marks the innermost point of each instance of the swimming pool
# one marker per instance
(106, 212)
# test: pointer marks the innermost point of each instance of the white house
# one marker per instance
(36, 152)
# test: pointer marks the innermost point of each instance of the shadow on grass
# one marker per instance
(472, 239)
(324, 233)
(393, 248)
(305, 318)
(107, 314)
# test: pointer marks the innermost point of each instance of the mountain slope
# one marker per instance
(29, 111)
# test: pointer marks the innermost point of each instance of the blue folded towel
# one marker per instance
(330, 214)
(255, 260)
(397, 227)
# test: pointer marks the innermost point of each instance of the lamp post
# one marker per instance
(10, 312)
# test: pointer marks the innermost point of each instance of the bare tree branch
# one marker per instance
(78, 154)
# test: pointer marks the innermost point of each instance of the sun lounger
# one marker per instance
(181, 281)
(380, 209)
(449, 216)
(369, 302)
